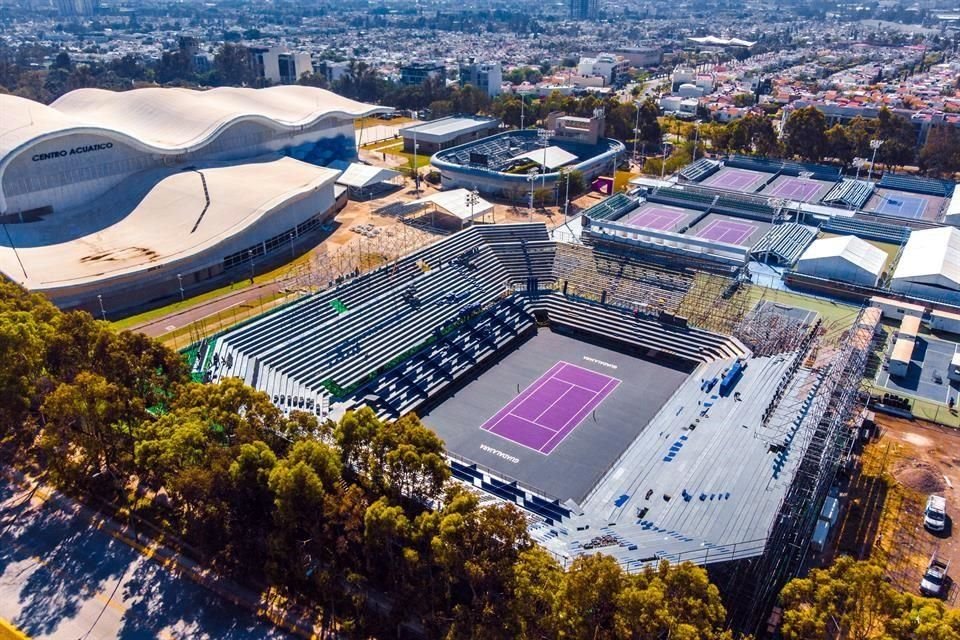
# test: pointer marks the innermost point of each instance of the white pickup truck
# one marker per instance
(935, 515)
(935, 579)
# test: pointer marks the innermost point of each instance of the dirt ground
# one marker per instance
(884, 520)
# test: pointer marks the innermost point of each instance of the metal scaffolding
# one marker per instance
(833, 357)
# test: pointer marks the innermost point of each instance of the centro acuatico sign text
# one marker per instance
(62, 153)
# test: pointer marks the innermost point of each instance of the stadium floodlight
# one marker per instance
(858, 163)
(473, 199)
(531, 178)
(545, 135)
(874, 144)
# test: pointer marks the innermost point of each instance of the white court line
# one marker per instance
(536, 420)
(533, 387)
(604, 393)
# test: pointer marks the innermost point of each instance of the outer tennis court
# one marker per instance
(657, 217)
(730, 231)
(796, 189)
(735, 179)
(550, 408)
(901, 205)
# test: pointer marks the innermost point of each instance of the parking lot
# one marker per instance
(927, 375)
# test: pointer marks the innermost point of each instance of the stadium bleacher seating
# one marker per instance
(867, 229)
(627, 280)
(699, 170)
(787, 167)
(611, 208)
(348, 333)
(852, 193)
(635, 330)
(918, 184)
(687, 197)
(783, 243)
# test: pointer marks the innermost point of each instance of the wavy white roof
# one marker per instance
(169, 119)
(156, 220)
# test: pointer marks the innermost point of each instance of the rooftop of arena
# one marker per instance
(500, 153)
(168, 119)
(155, 220)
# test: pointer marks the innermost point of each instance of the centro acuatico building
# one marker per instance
(130, 195)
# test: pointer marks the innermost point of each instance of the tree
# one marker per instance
(534, 584)
(860, 131)
(232, 65)
(899, 139)
(588, 599)
(839, 145)
(805, 134)
(941, 153)
(84, 435)
(854, 600)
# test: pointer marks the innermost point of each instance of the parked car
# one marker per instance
(935, 515)
(935, 578)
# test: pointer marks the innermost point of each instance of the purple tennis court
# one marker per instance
(795, 189)
(735, 179)
(727, 231)
(552, 407)
(660, 218)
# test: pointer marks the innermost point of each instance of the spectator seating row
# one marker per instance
(918, 184)
(693, 345)
(626, 279)
(685, 197)
(611, 208)
(428, 373)
(851, 193)
(867, 229)
(699, 170)
(783, 244)
(346, 334)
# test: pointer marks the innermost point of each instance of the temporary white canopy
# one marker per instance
(457, 203)
(555, 157)
(844, 258)
(362, 176)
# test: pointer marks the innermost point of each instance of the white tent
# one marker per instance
(930, 265)
(953, 210)
(555, 157)
(363, 179)
(844, 258)
(457, 203)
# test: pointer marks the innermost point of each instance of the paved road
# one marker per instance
(61, 578)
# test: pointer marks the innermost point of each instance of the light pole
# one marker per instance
(523, 102)
(292, 252)
(416, 171)
(531, 178)
(636, 130)
(874, 144)
(566, 199)
(250, 255)
(103, 312)
(696, 139)
(180, 281)
(473, 199)
(544, 135)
